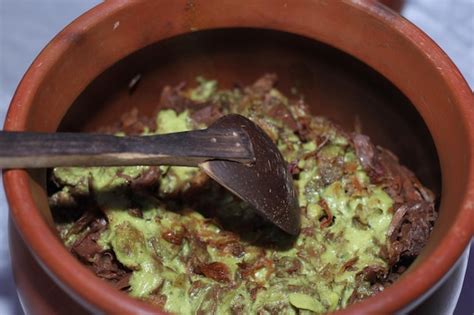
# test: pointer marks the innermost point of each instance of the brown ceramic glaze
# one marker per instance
(311, 45)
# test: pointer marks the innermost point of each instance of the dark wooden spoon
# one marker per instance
(233, 151)
(266, 184)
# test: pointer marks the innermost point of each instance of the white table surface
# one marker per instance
(26, 26)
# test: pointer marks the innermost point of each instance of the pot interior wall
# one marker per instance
(333, 83)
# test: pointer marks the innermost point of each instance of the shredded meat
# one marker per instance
(206, 115)
(215, 270)
(173, 98)
(281, 112)
(327, 220)
(147, 180)
(348, 265)
(174, 237)
(374, 273)
(367, 154)
(249, 269)
(287, 266)
(107, 267)
(158, 300)
(414, 214)
(409, 230)
(84, 221)
(103, 263)
(86, 247)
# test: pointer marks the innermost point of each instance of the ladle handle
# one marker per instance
(37, 150)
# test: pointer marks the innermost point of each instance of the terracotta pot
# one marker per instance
(396, 5)
(350, 58)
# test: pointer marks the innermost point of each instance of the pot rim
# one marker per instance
(97, 295)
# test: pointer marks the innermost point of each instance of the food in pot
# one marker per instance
(176, 239)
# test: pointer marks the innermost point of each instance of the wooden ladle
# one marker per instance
(233, 151)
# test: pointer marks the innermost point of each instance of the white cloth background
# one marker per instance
(26, 26)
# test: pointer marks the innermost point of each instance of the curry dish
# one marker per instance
(176, 239)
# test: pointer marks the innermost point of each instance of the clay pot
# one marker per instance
(394, 4)
(352, 60)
